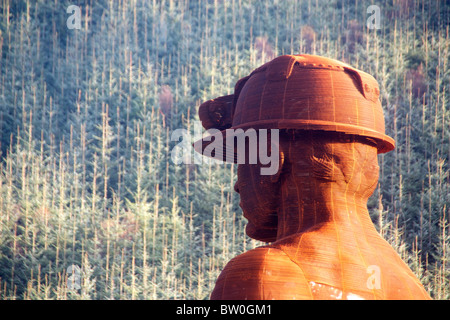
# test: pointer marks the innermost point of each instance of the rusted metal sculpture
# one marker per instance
(313, 210)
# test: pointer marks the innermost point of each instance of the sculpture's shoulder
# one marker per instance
(263, 273)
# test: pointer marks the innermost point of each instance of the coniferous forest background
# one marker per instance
(88, 188)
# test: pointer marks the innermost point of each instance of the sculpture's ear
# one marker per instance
(276, 177)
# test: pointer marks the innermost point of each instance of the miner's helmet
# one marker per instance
(303, 92)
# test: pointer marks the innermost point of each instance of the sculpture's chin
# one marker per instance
(261, 233)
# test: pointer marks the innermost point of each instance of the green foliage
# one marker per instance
(86, 116)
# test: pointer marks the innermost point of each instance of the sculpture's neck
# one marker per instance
(309, 205)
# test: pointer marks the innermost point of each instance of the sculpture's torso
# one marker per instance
(313, 265)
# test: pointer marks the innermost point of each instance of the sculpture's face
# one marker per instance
(259, 202)
(318, 162)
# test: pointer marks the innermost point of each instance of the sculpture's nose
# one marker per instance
(236, 188)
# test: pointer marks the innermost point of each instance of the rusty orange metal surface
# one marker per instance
(313, 214)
